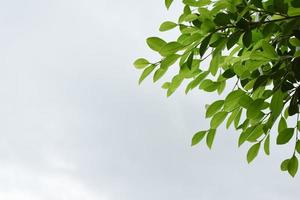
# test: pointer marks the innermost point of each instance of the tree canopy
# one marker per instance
(256, 44)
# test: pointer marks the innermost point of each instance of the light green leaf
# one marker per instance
(269, 51)
(168, 61)
(214, 107)
(170, 48)
(232, 100)
(217, 119)
(155, 43)
(208, 85)
(168, 3)
(210, 137)
(168, 25)
(141, 63)
(146, 73)
(252, 153)
(198, 137)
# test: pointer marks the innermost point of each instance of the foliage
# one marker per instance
(253, 42)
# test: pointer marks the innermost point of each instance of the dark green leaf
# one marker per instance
(293, 166)
(222, 19)
(204, 45)
(233, 39)
(247, 38)
(284, 165)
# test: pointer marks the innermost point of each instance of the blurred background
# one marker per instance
(75, 124)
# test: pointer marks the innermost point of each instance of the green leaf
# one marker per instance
(245, 101)
(169, 60)
(141, 63)
(204, 45)
(269, 50)
(293, 107)
(168, 25)
(210, 137)
(253, 110)
(232, 100)
(298, 146)
(293, 166)
(245, 134)
(231, 118)
(267, 145)
(233, 39)
(217, 119)
(295, 3)
(276, 105)
(158, 74)
(155, 43)
(146, 73)
(208, 85)
(222, 19)
(252, 152)
(282, 124)
(284, 165)
(247, 38)
(229, 73)
(285, 136)
(168, 3)
(170, 48)
(214, 107)
(198, 137)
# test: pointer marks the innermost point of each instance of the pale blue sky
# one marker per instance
(74, 123)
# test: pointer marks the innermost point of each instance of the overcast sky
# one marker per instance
(74, 123)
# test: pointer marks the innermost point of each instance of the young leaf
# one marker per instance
(141, 63)
(210, 137)
(252, 152)
(168, 25)
(198, 137)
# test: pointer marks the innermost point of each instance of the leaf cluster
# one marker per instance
(254, 43)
